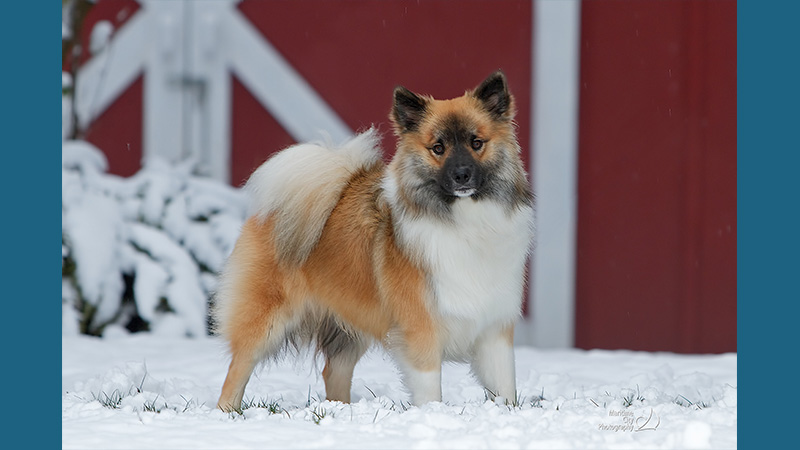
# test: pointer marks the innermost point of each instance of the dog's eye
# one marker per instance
(477, 144)
(437, 148)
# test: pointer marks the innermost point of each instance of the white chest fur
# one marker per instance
(475, 264)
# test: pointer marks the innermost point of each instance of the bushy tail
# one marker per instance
(300, 186)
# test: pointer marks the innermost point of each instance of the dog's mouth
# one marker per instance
(464, 192)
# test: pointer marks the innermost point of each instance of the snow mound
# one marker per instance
(142, 252)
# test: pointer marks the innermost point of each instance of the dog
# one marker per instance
(425, 256)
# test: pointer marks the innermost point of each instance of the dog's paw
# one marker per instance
(228, 408)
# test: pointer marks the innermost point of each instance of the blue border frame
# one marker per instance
(31, 329)
(767, 268)
(767, 159)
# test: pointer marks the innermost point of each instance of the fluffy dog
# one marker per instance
(425, 256)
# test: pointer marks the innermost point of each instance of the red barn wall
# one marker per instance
(354, 53)
(656, 238)
(656, 262)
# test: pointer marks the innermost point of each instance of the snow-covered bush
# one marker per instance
(141, 252)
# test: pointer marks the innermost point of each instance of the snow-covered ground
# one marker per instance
(151, 391)
(148, 247)
(166, 232)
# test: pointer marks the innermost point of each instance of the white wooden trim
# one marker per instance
(108, 73)
(211, 115)
(556, 54)
(163, 121)
(278, 86)
(187, 51)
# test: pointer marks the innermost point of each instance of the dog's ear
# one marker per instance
(494, 96)
(408, 110)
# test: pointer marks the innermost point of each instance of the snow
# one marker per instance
(166, 229)
(95, 228)
(181, 286)
(171, 231)
(100, 36)
(569, 399)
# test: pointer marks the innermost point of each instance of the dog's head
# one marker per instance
(460, 148)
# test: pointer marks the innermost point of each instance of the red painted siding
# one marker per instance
(118, 131)
(254, 134)
(354, 52)
(656, 263)
(117, 12)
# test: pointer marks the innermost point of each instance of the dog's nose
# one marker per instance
(462, 174)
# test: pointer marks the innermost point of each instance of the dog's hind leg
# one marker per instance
(233, 390)
(261, 336)
(342, 351)
(253, 313)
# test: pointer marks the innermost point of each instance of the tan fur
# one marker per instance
(338, 377)
(339, 276)
(508, 333)
(404, 292)
(258, 308)
(301, 185)
(466, 107)
(339, 262)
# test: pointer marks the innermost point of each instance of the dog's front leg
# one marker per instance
(421, 366)
(493, 362)
(422, 369)
(425, 385)
(413, 340)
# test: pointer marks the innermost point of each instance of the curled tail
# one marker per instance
(300, 186)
